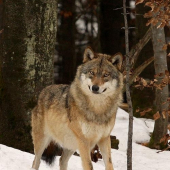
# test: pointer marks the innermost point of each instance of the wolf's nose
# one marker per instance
(95, 88)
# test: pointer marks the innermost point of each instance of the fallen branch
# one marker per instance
(164, 149)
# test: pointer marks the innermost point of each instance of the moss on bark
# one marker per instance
(26, 65)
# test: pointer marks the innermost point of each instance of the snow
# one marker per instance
(143, 157)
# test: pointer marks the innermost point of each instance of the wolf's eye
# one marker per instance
(91, 72)
(106, 75)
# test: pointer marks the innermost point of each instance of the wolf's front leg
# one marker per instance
(105, 148)
(84, 149)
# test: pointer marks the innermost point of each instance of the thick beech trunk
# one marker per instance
(26, 58)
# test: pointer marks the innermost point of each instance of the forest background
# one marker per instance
(42, 42)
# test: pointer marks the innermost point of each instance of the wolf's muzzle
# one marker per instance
(95, 88)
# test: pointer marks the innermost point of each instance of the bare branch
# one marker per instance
(135, 51)
(122, 8)
(129, 28)
(138, 70)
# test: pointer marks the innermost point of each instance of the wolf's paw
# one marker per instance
(32, 169)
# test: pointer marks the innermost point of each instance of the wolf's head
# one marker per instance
(100, 73)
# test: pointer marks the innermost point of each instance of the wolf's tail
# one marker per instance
(51, 152)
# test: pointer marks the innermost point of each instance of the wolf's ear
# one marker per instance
(117, 60)
(88, 54)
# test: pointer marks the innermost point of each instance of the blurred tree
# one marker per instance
(26, 57)
(77, 28)
(66, 41)
(1, 9)
(145, 95)
(111, 22)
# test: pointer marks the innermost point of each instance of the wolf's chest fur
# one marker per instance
(99, 109)
(93, 131)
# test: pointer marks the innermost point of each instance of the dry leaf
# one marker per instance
(145, 144)
(1, 31)
(142, 113)
(161, 74)
(156, 76)
(145, 111)
(151, 82)
(148, 110)
(137, 110)
(161, 26)
(167, 72)
(156, 116)
(158, 86)
(164, 103)
(139, 1)
(165, 80)
(166, 17)
(148, 23)
(148, 15)
(144, 82)
(164, 114)
(154, 22)
(163, 139)
(135, 79)
(148, 3)
(168, 127)
(155, 9)
(137, 85)
(165, 46)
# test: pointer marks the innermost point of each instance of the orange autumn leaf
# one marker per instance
(156, 116)
(139, 1)
(164, 114)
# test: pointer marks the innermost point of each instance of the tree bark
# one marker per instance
(26, 58)
(161, 96)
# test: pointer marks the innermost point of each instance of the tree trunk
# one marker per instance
(130, 109)
(26, 58)
(160, 63)
(66, 40)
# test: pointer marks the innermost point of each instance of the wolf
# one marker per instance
(80, 115)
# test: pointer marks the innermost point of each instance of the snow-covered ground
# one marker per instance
(143, 157)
